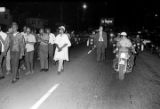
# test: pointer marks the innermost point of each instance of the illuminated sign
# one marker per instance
(108, 21)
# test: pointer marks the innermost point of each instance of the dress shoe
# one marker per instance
(46, 70)
(58, 72)
(8, 72)
(17, 78)
(32, 72)
(14, 80)
(62, 70)
(41, 70)
(2, 77)
(28, 73)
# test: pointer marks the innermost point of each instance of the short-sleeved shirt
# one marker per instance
(124, 42)
(51, 38)
(60, 41)
(4, 36)
(30, 38)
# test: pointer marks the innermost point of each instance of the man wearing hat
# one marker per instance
(62, 43)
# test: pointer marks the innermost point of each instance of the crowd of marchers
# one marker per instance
(19, 50)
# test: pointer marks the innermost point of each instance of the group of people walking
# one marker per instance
(19, 50)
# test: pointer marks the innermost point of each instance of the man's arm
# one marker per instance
(3, 41)
(21, 45)
(57, 46)
(64, 46)
(45, 41)
(106, 40)
(95, 39)
(7, 40)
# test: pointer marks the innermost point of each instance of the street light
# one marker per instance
(84, 6)
(156, 15)
(2, 9)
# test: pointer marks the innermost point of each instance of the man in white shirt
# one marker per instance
(51, 44)
(24, 31)
(62, 44)
(3, 37)
(30, 41)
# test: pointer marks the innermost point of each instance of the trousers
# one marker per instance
(15, 55)
(100, 51)
(8, 61)
(2, 56)
(44, 56)
(29, 60)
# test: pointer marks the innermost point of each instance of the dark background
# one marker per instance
(128, 14)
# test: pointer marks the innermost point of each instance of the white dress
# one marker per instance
(60, 40)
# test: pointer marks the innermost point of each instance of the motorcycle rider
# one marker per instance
(139, 41)
(124, 45)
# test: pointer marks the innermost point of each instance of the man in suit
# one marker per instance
(16, 51)
(100, 41)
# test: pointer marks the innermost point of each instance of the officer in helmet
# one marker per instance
(124, 41)
(125, 45)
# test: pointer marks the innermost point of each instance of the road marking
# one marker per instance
(44, 97)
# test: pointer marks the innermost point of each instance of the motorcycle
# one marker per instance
(138, 47)
(153, 48)
(123, 66)
(158, 50)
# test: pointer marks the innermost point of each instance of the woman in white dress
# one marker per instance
(62, 43)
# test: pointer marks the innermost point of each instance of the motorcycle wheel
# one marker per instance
(121, 72)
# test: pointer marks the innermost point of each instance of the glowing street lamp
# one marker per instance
(2, 9)
(84, 6)
(156, 15)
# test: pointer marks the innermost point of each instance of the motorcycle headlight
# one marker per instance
(123, 55)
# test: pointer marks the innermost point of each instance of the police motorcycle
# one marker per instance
(157, 50)
(123, 64)
(153, 48)
(138, 45)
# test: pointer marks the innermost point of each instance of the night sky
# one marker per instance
(131, 13)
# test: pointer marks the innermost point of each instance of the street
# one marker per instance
(86, 84)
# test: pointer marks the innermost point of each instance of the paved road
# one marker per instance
(86, 84)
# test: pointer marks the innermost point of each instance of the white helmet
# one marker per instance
(62, 27)
(123, 34)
